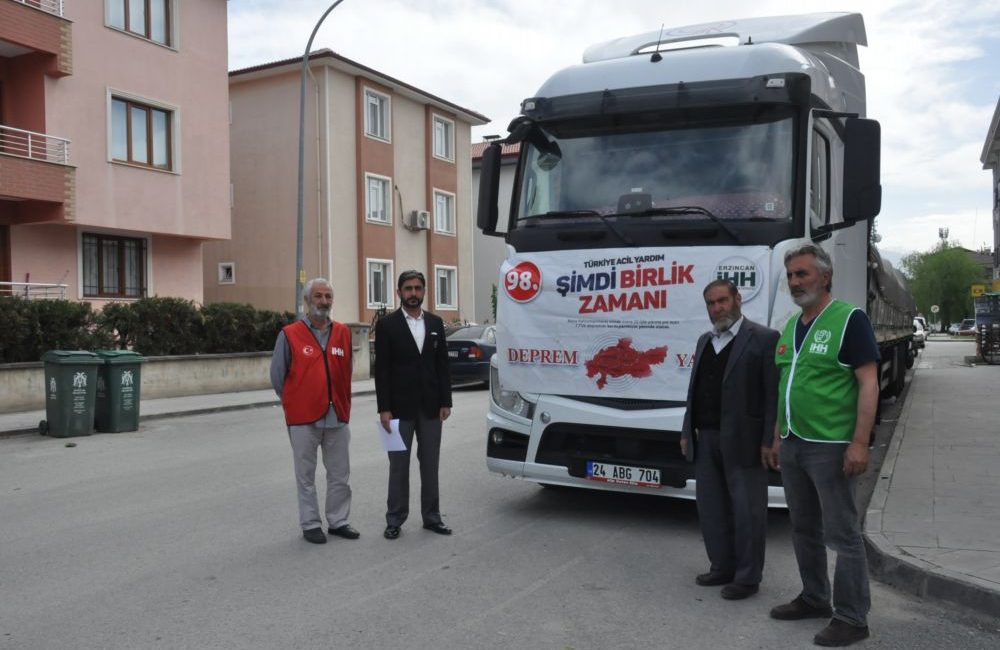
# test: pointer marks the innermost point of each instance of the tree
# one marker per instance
(942, 277)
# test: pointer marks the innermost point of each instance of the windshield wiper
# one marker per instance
(686, 209)
(587, 213)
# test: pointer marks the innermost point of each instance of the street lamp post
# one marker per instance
(300, 271)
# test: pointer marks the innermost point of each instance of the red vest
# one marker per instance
(317, 378)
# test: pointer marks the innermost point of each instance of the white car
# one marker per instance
(919, 334)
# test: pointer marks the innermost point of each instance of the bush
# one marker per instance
(269, 323)
(119, 323)
(151, 326)
(229, 327)
(166, 326)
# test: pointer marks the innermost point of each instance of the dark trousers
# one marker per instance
(732, 510)
(428, 438)
(821, 507)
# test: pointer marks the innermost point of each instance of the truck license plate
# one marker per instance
(623, 474)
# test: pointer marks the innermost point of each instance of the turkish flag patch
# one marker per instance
(781, 349)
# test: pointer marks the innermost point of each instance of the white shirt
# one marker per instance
(417, 329)
(721, 339)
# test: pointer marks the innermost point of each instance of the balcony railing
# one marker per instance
(51, 6)
(33, 290)
(37, 146)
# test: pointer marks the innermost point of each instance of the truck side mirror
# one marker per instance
(489, 190)
(862, 152)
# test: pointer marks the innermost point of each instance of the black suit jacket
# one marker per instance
(408, 381)
(749, 395)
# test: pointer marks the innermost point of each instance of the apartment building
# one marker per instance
(387, 188)
(114, 146)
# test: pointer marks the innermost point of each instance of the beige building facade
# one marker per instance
(114, 146)
(387, 188)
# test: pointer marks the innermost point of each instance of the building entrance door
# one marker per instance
(4, 253)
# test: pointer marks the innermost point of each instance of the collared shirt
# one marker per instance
(721, 339)
(417, 328)
(282, 359)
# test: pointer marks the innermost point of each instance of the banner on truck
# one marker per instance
(615, 322)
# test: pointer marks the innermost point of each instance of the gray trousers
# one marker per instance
(306, 439)
(428, 435)
(732, 511)
(823, 513)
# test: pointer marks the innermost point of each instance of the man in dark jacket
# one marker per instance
(413, 385)
(731, 409)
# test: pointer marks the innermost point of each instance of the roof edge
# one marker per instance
(328, 57)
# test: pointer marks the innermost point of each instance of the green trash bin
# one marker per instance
(118, 382)
(70, 391)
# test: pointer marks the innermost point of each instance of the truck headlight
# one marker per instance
(508, 400)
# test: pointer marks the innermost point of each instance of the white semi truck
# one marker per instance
(662, 162)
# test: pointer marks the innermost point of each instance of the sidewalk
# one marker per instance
(933, 523)
(149, 409)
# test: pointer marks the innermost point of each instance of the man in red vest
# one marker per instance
(311, 373)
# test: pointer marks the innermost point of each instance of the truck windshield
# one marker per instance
(723, 172)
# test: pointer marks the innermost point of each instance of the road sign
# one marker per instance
(935, 309)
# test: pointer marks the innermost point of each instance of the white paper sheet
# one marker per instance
(391, 440)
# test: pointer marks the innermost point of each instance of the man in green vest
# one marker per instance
(828, 359)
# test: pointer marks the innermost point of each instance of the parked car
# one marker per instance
(469, 350)
(919, 334)
(968, 327)
(953, 328)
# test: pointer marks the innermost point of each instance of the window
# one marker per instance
(149, 19)
(376, 115)
(444, 287)
(379, 283)
(141, 134)
(444, 212)
(227, 273)
(378, 207)
(113, 267)
(819, 178)
(444, 141)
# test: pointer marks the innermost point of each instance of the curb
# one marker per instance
(889, 564)
(183, 413)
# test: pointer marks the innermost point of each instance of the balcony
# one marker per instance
(33, 290)
(39, 27)
(54, 7)
(37, 182)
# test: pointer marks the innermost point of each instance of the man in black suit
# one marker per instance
(413, 384)
(728, 428)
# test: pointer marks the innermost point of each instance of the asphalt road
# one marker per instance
(184, 535)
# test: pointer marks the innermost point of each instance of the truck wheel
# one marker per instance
(43, 427)
(910, 353)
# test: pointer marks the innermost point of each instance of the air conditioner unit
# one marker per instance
(418, 220)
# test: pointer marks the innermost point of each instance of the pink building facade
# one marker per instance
(387, 187)
(114, 145)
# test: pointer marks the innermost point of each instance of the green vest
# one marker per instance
(817, 395)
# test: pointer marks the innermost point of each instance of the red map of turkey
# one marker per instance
(622, 359)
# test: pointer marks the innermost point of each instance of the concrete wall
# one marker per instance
(22, 385)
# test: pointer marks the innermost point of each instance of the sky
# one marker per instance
(932, 70)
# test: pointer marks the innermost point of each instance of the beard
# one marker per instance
(320, 313)
(413, 302)
(724, 322)
(806, 298)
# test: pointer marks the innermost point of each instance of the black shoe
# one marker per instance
(345, 531)
(314, 536)
(799, 609)
(713, 579)
(438, 528)
(839, 633)
(391, 532)
(736, 591)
